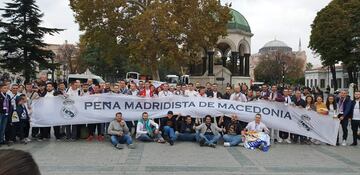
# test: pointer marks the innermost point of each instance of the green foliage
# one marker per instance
(21, 38)
(335, 35)
(152, 32)
(273, 65)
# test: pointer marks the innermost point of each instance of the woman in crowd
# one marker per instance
(331, 105)
(320, 106)
(310, 103)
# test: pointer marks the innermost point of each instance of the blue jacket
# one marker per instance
(347, 108)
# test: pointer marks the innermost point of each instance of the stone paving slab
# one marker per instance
(80, 158)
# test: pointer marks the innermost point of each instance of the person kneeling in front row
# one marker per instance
(209, 133)
(233, 128)
(147, 130)
(120, 132)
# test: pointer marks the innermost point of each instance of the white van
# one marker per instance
(84, 77)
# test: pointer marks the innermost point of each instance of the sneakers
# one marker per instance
(171, 142)
(119, 146)
(353, 144)
(288, 141)
(226, 144)
(279, 140)
(202, 142)
(24, 141)
(343, 143)
(27, 140)
(100, 138)
(212, 145)
(131, 146)
(90, 138)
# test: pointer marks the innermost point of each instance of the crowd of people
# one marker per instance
(16, 112)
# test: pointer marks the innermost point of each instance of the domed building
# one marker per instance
(229, 62)
(276, 47)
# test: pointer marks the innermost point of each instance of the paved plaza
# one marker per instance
(60, 158)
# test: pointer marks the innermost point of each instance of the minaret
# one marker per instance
(299, 44)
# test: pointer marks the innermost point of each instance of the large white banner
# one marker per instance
(52, 111)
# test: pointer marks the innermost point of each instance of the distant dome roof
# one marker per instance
(238, 21)
(275, 45)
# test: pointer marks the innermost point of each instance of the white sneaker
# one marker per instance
(27, 139)
(279, 140)
(343, 143)
(241, 144)
(226, 144)
(288, 141)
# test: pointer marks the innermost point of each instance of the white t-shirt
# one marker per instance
(356, 115)
(252, 126)
(147, 91)
(238, 97)
(50, 94)
(165, 93)
(191, 93)
(73, 93)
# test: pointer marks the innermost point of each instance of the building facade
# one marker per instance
(321, 77)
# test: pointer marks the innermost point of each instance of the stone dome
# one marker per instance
(275, 45)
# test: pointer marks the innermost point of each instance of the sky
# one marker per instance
(285, 20)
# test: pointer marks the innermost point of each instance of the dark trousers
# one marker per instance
(93, 127)
(45, 132)
(355, 124)
(295, 138)
(22, 129)
(35, 131)
(283, 135)
(344, 125)
(10, 132)
(57, 132)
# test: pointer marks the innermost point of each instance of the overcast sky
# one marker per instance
(286, 20)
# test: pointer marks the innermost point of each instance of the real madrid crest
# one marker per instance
(69, 110)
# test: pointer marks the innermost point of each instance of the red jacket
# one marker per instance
(142, 93)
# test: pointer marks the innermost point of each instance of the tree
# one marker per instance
(155, 31)
(272, 66)
(21, 38)
(69, 56)
(334, 36)
(309, 66)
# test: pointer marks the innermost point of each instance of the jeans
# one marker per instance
(210, 139)
(147, 138)
(3, 123)
(169, 131)
(234, 140)
(188, 137)
(355, 124)
(121, 139)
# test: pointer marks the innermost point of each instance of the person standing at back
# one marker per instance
(355, 120)
(344, 108)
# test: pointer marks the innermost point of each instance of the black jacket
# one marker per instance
(2, 98)
(238, 124)
(301, 102)
(187, 128)
(165, 121)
